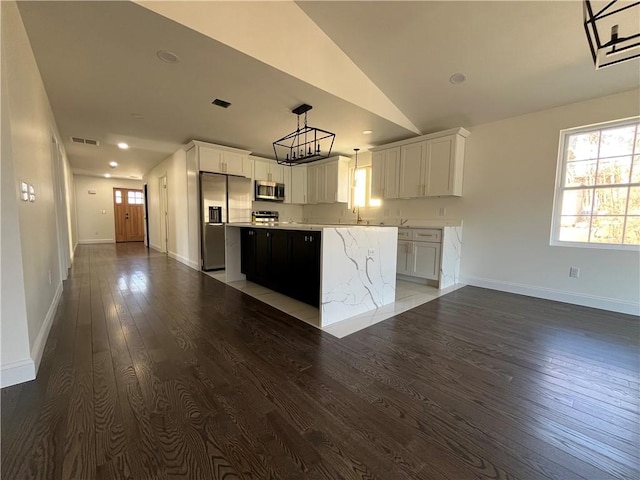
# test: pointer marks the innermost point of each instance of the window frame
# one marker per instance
(561, 172)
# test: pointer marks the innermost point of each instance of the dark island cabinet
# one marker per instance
(287, 261)
(248, 255)
(304, 266)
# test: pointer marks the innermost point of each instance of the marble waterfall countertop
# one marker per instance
(301, 226)
(409, 223)
(357, 265)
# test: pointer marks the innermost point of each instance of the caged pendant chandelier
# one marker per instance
(620, 22)
(306, 144)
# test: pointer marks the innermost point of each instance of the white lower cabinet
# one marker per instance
(419, 253)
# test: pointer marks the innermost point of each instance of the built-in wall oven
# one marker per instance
(269, 191)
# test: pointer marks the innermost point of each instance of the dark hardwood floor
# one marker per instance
(155, 371)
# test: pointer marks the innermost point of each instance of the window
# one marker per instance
(362, 189)
(597, 201)
(134, 197)
(118, 196)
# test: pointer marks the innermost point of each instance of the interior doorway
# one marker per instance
(128, 209)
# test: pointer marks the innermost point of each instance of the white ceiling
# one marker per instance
(99, 66)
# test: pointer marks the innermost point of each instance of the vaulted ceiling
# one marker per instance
(379, 66)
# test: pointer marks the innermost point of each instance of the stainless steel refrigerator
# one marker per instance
(224, 199)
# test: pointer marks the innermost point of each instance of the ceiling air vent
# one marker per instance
(85, 141)
(221, 103)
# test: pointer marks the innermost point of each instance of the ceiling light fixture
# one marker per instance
(367, 132)
(457, 78)
(123, 146)
(610, 18)
(113, 164)
(306, 144)
(167, 56)
(107, 175)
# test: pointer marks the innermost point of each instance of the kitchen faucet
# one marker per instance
(402, 222)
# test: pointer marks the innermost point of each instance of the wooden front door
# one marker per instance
(128, 209)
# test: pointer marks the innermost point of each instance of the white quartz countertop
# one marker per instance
(301, 226)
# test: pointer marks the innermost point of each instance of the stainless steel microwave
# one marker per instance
(269, 191)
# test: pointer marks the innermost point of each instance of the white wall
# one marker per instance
(175, 169)
(94, 226)
(31, 270)
(509, 181)
(510, 170)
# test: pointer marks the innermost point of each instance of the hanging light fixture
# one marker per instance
(306, 144)
(622, 19)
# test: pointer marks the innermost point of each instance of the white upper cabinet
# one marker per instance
(328, 180)
(385, 173)
(265, 169)
(443, 166)
(296, 184)
(427, 166)
(221, 159)
(411, 170)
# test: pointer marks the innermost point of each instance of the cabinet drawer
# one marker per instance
(425, 235)
(404, 234)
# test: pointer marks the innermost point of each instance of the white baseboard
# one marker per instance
(593, 301)
(26, 370)
(38, 346)
(91, 241)
(184, 260)
(17, 372)
(156, 248)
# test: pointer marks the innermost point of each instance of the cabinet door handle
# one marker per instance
(268, 234)
(310, 238)
(306, 238)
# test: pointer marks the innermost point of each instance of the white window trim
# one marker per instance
(559, 189)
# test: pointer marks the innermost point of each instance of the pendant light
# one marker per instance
(306, 144)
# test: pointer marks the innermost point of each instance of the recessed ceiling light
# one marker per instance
(367, 132)
(107, 175)
(123, 146)
(457, 78)
(113, 164)
(167, 56)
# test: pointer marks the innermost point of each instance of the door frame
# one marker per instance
(145, 194)
(60, 208)
(164, 213)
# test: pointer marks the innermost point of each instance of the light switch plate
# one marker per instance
(24, 191)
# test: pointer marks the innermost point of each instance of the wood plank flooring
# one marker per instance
(155, 371)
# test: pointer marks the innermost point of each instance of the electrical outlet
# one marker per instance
(442, 211)
(574, 272)
(49, 277)
(371, 252)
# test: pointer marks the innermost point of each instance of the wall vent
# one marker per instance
(85, 141)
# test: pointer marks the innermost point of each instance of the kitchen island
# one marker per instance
(345, 270)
